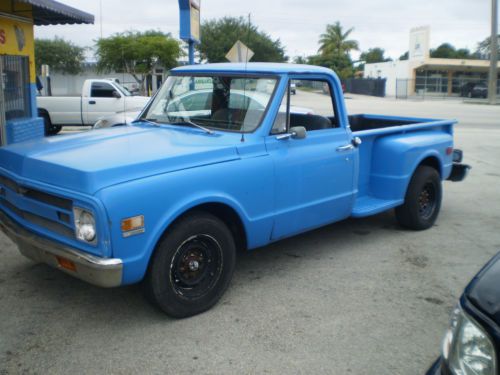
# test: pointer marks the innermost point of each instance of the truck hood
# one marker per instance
(90, 161)
(484, 290)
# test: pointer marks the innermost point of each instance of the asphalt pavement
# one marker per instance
(357, 297)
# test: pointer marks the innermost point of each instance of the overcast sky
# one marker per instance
(298, 23)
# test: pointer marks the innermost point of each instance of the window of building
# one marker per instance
(14, 82)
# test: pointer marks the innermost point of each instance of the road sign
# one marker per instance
(239, 53)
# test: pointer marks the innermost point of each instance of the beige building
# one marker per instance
(422, 75)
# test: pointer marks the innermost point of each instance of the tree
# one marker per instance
(62, 56)
(137, 53)
(219, 35)
(483, 48)
(334, 40)
(374, 55)
(300, 60)
(334, 50)
(404, 56)
(447, 51)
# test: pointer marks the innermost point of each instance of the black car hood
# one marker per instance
(484, 290)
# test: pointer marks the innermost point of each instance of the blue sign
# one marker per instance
(190, 20)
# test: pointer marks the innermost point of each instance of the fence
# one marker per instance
(439, 87)
(366, 86)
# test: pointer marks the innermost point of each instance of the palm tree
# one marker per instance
(334, 41)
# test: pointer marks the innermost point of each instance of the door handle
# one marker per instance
(345, 148)
(92, 102)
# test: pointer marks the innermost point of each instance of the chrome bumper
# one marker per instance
(103, 272)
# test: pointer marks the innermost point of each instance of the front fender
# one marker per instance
(164, 198)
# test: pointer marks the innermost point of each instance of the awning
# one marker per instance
(49, 12)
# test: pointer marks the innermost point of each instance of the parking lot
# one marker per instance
(356, 297)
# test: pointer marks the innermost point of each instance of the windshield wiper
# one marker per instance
(193, 124)
(152, 122)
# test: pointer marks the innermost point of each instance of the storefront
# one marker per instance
(19, 119)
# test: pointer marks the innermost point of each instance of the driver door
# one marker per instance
(313, 176)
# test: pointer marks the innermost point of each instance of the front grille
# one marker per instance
(41, 209)
(37, 195)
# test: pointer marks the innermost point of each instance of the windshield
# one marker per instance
(122, 89)
(228, 103)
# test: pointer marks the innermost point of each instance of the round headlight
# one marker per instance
(467, 349)
(85, 229)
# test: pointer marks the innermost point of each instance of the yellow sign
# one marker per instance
(16, 38)
(195, 19)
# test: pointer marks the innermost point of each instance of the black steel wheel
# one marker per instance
(422, 201)
(192, 265)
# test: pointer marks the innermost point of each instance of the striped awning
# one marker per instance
(49, 12)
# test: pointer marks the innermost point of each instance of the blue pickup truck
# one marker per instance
(222, 158)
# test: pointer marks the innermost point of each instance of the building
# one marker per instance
(423, 75)
(19, 119)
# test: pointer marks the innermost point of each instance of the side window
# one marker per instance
(101, 90)
(311, 106)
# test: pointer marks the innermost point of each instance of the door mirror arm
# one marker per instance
(297, 132)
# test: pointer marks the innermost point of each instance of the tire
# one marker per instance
(192, 266)
(422, 201)
(50, 129)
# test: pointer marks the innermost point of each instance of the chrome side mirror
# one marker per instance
(297, 132)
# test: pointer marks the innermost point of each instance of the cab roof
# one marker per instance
(272, 68)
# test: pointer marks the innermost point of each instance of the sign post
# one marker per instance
(190, 24)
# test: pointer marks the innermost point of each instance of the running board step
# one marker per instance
(366, 206)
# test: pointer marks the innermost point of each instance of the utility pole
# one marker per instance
(492, 87)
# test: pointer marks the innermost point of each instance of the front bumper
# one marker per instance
(458, 172)
(103, 272)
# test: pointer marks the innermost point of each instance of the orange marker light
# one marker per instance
(66, 263)
(132, 223)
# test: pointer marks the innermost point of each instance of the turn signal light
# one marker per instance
(133, 223)
(449, 150)
(66, 263)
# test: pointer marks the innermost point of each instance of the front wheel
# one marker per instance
(50, 129)
(422, 201)
(192, 266)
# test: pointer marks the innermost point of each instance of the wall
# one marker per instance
(16, 38)
(391, 71)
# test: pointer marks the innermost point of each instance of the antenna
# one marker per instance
(246, 74)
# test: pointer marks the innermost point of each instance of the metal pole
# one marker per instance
(3, 124)
(191, 52)
(492, 89)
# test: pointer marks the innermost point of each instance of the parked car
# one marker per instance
(474, 90)
(202, 99)
(169, 200)
(99, 97)
(293, 88)
(471, 345)
(117, 119)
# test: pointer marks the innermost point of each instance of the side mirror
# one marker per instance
(356, 141)
(298, 132)
(116, 94)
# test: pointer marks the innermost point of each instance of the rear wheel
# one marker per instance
(422, 201)
(50, 129)
(192, 266)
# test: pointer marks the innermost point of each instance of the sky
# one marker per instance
(297, 23)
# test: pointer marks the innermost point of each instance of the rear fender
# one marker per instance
(395, 159)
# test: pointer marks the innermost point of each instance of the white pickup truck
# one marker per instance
(100, 97)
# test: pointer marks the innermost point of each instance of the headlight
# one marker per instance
(467, 349)
(84, 225)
